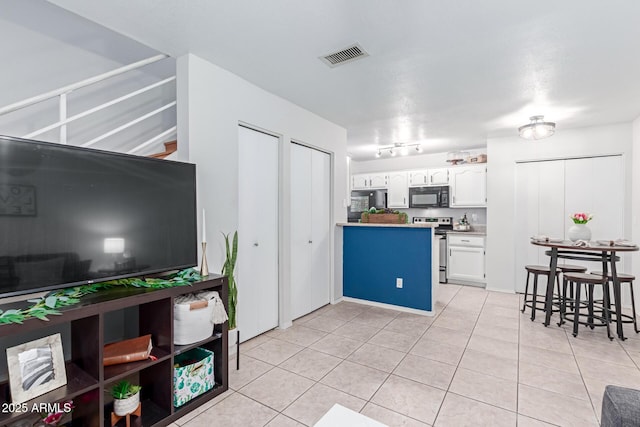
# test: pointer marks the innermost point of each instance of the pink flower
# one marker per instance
(53, 418)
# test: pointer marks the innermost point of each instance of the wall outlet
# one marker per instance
(399, 282)
(474, 217)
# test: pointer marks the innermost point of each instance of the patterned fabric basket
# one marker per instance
(192, 375)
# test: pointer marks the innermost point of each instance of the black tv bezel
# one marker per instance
(118, 276)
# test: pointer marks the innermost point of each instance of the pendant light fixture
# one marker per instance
(537, 129)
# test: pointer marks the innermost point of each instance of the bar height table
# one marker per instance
(594, 252)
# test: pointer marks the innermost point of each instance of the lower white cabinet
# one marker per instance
(466, 258)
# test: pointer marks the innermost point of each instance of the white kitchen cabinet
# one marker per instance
(378, 180)
(466, 260)
(438, 176)
(310, 229)
(398, 190)
(360, 181)
(418, 178)
(468, 186)
(366, 181)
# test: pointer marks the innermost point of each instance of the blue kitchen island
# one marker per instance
(394, 265)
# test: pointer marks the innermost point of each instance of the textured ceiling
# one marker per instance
(448, 74)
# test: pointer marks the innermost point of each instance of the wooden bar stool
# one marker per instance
(624, 278)
(589, 281)
(533, 303)
(568, 268)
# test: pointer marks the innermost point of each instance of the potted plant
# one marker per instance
(228, 270)
(126, 397)
(384, 216)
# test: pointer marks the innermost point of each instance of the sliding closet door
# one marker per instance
(320, 228)
(301, 208)
(310, 229)
(549, 192)
(257, 233)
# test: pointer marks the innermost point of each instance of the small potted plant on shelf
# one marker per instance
(126, 398)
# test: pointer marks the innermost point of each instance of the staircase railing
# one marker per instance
(64, 120)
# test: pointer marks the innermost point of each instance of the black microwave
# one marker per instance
(429, 197)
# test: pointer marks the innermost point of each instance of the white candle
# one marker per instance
(204, 227)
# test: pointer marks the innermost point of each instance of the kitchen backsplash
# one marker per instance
(476, 216)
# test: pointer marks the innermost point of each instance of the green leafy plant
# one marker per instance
(124, 389)
(227, 270)
(51, 303)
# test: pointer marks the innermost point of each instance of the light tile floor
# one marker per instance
(479, 362)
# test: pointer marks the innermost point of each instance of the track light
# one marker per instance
(397, 147)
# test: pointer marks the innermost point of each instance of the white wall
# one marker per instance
(211, 104)
(635, 201)
(503, 153)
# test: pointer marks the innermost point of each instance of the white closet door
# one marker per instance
(526, 220)
(310, 229)
(257, 263)
(548, 192)
(320, 228)
(301, 208)
(596, 185)
(539, 211)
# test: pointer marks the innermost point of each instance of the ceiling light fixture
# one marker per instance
(537, 129)
(398, 147)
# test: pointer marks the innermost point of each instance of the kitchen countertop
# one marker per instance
(368, 224)
(470, 233)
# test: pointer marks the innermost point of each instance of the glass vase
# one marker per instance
(579, 232)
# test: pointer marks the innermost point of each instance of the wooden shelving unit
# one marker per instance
(141, 312)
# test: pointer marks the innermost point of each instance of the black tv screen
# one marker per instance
(71, 215)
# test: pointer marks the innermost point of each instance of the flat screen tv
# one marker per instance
(71, 215)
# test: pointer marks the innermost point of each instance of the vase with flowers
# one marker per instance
(579, 229)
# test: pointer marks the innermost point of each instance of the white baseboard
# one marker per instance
(389, 306)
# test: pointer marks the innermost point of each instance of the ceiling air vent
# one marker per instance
(351, 53)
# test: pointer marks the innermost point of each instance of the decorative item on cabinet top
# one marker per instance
(384, 216)
(35, 368)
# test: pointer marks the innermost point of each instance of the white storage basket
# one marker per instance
(194, 315)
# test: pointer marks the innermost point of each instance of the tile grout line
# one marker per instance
(458, 364)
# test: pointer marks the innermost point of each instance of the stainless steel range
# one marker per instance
(445, 224)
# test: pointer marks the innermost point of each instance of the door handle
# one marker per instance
(310, 241)
(404, 200)
(369, 182)
(255, 244)
(431, 178)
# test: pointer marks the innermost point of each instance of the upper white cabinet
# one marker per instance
(378, 180)
(468, 186)
(438, 176)
(425, 177)
(398, 190)
(418, 178)
(359, 182)
(369, 180)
